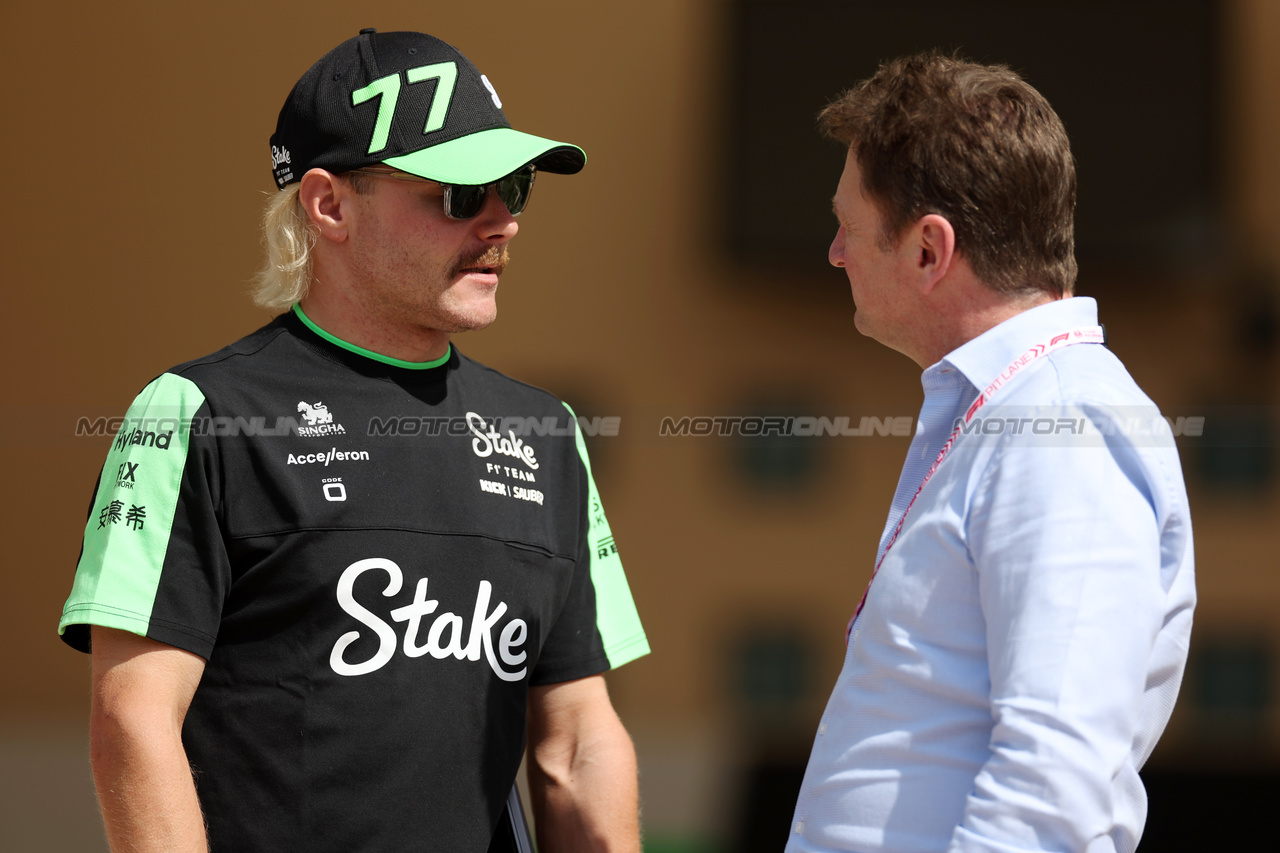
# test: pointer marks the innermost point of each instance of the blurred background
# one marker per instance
(682, 274)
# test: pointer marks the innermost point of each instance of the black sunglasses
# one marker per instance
(465, 201)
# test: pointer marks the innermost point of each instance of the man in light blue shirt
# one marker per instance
(1019, 649)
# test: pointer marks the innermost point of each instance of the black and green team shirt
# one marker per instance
(377, 559)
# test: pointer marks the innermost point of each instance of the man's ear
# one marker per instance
(935, 249)
(326, 201)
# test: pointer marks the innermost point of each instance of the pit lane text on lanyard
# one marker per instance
(1084, 335)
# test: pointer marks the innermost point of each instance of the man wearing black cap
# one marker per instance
(334, 572)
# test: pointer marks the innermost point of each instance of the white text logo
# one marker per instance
(334, 455)
(488, 441)
(444, 636)
(319, 420)
(493, 93)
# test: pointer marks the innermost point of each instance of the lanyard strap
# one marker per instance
(1083, 335)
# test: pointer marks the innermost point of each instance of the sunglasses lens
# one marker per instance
(463, 201)
(515, 188)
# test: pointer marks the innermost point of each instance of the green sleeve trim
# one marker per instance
(127, 534)
(103, 616)
(616, 617)
(368, 353)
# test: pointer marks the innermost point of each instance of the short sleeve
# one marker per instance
(599, 627)
(153, 561)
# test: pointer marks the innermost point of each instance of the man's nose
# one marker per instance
(835, 254)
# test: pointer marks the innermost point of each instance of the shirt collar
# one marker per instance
(982, 359)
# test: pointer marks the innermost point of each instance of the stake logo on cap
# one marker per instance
(411, 101)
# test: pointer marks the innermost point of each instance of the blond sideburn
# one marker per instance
(289, 237)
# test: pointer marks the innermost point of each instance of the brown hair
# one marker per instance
(977, 145)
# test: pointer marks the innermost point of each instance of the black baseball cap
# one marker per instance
(413, 102)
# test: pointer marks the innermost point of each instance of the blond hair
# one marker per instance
(289, 237)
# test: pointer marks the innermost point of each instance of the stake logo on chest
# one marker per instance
(444, 636)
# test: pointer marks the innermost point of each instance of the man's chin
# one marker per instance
(478, 326)
(472, 318)
(860, 322)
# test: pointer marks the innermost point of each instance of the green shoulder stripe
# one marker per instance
(616, 616)
(127, 535)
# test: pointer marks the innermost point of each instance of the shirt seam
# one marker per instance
(515, 543)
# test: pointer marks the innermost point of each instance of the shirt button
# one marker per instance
(822, 728)
(799, 827)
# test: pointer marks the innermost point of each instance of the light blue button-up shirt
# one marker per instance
(1024, 638)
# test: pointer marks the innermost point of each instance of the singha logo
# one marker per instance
(319, 421)
(315, 414)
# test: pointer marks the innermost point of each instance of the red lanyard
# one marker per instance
(1084, 335)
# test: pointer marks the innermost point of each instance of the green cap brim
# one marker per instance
(484, 157)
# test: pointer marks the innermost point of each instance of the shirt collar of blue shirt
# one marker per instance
(984, 358)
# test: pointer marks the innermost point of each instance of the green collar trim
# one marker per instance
(385, 359)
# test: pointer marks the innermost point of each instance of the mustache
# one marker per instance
(494, 257)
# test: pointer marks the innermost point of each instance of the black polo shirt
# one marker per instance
(376, 559)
